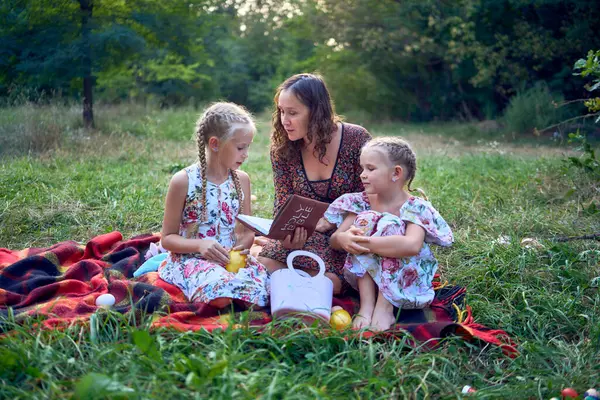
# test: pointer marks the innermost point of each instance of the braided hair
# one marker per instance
(399, 152)
(220, 120)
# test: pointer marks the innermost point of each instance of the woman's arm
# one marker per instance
(244, 236)
(282, 181)
(171, 239)
(398, 246)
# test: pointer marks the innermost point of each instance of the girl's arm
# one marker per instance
(398, 246)
(244, 236)
(171, 239)
(349, 238)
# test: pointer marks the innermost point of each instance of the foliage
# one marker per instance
(533, 109)
(416, 60)
(588, 160)
(591, 67)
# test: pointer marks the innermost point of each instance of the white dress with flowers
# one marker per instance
(404, 282)
(202, 280)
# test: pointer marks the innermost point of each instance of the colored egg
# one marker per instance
(468, 390)
(105, 300)
(591, 398)
(340, 319)
(569, 392)
(555, 398)
(591, 393)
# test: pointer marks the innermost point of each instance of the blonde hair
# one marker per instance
(398, 152)
(220, 120)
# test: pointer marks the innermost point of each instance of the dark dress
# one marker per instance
(290, 178)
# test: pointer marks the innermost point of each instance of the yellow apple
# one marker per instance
(236, 261)
(340, 319)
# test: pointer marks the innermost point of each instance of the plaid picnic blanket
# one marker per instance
(61, 283)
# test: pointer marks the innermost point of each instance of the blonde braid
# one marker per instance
(201, 141)
(238, 189)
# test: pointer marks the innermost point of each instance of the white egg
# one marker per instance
(106, 299)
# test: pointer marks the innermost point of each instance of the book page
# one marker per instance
(262, 225)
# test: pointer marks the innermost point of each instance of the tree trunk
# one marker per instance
(86, 7)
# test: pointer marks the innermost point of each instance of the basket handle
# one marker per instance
(315, 257)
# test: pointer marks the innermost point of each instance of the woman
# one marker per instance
(314, 155)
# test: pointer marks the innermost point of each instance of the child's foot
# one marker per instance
(383, 316)
(362, 320)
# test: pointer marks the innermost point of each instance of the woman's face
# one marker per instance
(294, 115)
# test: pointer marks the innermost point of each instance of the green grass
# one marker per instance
(83, 184)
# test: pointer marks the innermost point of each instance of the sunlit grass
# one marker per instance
(116, 178)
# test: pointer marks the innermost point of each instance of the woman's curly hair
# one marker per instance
(311, 90)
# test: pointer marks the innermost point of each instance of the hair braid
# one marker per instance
(238, 189)
(200, 139)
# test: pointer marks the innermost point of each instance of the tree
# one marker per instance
(65, 46)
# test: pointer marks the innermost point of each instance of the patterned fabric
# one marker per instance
(404, 282)
(290, 178)
(202, 280)
(58, 286)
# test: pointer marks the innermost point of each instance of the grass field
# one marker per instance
(59, 182)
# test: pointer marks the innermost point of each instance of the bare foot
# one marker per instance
(362, 320)
(383, 315)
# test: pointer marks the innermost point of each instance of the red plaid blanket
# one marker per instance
(61, 284)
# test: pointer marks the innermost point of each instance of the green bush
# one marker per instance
(534, 108)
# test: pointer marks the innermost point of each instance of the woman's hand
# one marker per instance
(213, 251)
(352, 239)
(298, 241)
(324, 226)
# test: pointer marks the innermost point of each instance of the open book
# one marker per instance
(296, 211)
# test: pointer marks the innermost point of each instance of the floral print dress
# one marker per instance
(404, 282)
(202, 280)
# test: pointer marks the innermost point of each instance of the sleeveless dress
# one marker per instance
(290, 177)
(404, 282)
(202, 280)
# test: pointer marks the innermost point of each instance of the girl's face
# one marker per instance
(294, 115)
(234, 151)
(377, 172)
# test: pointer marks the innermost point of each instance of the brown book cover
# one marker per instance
(297, 211)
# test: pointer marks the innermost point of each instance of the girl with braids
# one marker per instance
(202, 202)
(386, 232)
(314, 155)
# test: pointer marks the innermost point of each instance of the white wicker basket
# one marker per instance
(294, 292)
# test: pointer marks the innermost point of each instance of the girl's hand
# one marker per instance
(351, 240)
(241, 249)
(213, 251)
(299, 240)
(324, 226)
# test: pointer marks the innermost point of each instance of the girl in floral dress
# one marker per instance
(387, 232)
(199, 227)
